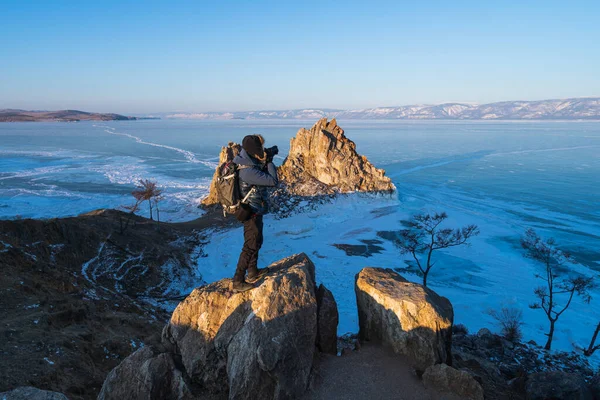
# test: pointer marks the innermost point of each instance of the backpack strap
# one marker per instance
(252, 189)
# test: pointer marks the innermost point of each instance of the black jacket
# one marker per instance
(258, 175)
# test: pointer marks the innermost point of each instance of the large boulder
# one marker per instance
(145, 374)
(413, 320)
(31, 393)
(323, 160)
(219, 344)
(227, 154)
(327, 321)
(557, 385)
(446, 379)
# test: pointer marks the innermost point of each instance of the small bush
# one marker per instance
(460, 329)
(510, 320)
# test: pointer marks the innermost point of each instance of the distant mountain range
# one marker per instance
(59, 116)
(585, 108)
(564, 109)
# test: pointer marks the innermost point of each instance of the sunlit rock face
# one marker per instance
(413, 320)
(323, 160)
(227, 154)
(259, 344)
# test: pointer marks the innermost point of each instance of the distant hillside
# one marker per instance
(59, 116)
(565, 109)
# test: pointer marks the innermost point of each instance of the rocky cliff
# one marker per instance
(256, 344)
(323, 160)
(79, 294)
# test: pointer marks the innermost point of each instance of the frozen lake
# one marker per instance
(503, 176)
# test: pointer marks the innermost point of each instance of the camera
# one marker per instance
(271, 152)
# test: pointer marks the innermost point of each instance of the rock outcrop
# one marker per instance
(227, 154)
(557, 385)
(146, 374)
(323, 160)
(327, 321)
(411, 319)
(503, 367)
(31, 393)
(218, 344)
(446, 379)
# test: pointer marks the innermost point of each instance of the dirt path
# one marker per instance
(372, 373)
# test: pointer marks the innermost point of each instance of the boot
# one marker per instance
(260, 272)
(239, 287)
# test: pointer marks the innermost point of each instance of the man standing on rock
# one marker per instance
(256, 173)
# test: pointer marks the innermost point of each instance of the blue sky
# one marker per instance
(139, 57)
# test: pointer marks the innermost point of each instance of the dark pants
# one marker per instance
(253, 240)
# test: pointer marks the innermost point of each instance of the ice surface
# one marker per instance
(503, 176)
(486, 275)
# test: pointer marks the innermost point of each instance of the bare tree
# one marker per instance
(147, 191)
(131, 210)
(593, 346)
(555, 287)
(424, 236)
(157, 199)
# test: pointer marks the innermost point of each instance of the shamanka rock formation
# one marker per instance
(323, 160)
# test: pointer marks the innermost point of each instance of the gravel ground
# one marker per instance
(373, 373)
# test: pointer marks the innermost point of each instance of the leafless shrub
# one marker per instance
(460, 329)
(510, 320)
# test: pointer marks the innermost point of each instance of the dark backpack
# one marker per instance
(227, 185)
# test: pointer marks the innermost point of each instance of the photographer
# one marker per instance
(256, 173)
